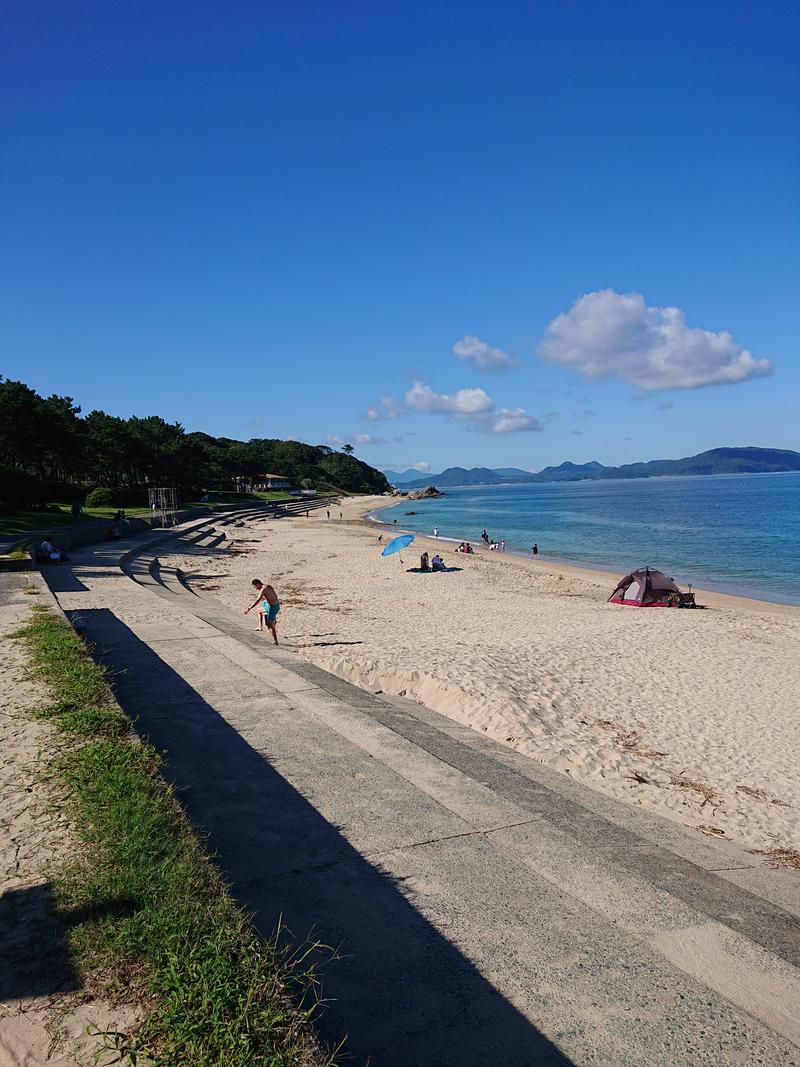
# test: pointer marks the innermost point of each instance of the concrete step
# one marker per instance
(172, 581)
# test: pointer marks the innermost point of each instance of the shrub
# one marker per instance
(101, 497)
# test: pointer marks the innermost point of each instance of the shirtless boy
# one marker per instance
(268, 607)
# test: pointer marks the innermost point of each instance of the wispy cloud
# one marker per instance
(422, 466)
(354, 439)
(386, 408)
(484, 356)
(665, 405)
(606, 334)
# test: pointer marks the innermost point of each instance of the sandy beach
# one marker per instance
(691, 714)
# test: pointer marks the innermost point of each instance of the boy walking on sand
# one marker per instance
(268, 607)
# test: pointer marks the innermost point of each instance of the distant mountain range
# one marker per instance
(715, 461)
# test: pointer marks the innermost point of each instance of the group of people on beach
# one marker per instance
(488, 542)
(491, 544)
(436, 564)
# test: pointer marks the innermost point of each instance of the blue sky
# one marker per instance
(259, 219)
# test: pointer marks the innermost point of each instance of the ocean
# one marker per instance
(732, 533)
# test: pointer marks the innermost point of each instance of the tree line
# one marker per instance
(50, 451)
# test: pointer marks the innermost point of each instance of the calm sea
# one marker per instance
(733, 533)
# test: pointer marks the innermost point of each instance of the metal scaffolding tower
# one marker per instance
(164, 506)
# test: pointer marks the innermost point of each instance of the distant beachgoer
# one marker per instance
(502, 546)
(436, 531)
(328, 512)
(468, 547)
(341, 514)
(437, 563)
(535, 551)
(485, 537)
(269, 607)
(380, 538)
(423, 562)
(48, 551)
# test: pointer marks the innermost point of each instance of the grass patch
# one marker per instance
(150, 912)
(20, 522)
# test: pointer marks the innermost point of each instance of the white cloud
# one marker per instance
(616, 335)
(423, 465)
(508, 420)
(471, 406)
(484, 356)
(464, 403)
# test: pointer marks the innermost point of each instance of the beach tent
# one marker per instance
(646, 588)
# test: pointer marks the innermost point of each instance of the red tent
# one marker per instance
(647, 589)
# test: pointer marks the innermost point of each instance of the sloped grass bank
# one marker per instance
(147, 910)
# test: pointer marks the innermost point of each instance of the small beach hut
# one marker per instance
(646, 588)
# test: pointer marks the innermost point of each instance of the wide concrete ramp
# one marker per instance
(483, 909)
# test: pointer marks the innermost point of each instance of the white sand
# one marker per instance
(693, 714)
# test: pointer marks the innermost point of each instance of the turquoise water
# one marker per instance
(734, 533)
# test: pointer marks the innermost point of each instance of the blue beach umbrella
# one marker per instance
(397, 543)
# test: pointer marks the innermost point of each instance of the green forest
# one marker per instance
(49, 452)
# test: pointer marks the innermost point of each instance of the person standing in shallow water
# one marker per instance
(535, 551)
(269, 607)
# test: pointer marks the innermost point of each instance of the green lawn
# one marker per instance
(20, 522)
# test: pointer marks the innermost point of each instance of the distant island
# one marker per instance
(715, 461)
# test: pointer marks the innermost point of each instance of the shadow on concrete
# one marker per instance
(63, 580)
(400, 991)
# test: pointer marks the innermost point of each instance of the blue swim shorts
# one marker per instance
(270, 611)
